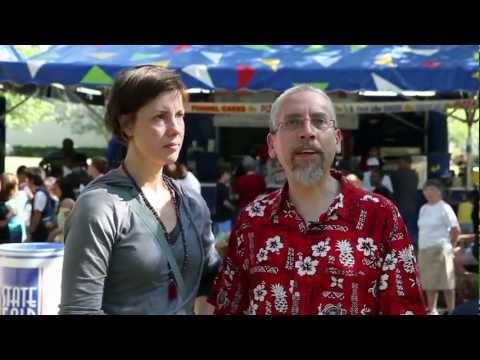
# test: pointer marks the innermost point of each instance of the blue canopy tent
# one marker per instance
(258, 67)
(441, 68)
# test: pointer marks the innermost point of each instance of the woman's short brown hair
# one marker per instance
(101, 164)
(135, 87)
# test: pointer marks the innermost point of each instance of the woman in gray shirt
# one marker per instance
(137, 242)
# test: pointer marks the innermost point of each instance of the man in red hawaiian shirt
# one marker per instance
(319, 245)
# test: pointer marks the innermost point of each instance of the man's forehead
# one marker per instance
(306, 101)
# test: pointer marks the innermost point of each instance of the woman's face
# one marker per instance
(156, 134)
(55, 190)
(432, 194)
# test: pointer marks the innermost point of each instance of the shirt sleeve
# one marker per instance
(400, 292)
(450, 217)
(212, 258)
(230, 290)
(89, 238)
(39, 201)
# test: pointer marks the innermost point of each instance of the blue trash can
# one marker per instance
(30, 278)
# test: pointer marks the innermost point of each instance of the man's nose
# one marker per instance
(307, 131)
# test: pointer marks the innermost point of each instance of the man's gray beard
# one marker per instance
(308, 174)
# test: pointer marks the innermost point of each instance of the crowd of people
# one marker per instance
(36, 201)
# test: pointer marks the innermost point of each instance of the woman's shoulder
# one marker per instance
(108, 190)
(193, 198)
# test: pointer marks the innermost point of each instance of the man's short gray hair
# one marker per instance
(293, 90)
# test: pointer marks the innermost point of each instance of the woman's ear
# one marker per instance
(126, 125)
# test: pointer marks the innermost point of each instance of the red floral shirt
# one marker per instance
(357, 259)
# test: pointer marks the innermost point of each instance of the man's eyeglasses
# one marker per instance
(295, 122)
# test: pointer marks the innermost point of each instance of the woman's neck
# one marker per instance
(145, 173)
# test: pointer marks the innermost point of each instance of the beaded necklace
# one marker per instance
(172, 286)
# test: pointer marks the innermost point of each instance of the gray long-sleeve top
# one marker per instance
(114, 265)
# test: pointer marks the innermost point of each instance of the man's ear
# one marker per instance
(271, 149)
(338, 140)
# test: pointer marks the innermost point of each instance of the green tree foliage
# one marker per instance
(458, 130)
(35, 110)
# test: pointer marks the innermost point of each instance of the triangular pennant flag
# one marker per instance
(96, 76)
(423, 52)
(162, 63)
(316, 85)
(181, 48)
(326, 60)
(102, 55)
(259, 47)
(273, 63)
(34, 66)
(386, 59)
(245, 75)
(314, 48)
(212, 56)
(6, 55)
(199, 72)
(140, 56)
(384, 85)
(355, 48)
(431, 64)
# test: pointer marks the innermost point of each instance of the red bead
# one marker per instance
(172, 290)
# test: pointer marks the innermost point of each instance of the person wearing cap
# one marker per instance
(374, 163)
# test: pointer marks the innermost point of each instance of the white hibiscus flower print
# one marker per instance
(383, 282)
(389, 262)
(259, 292)
(274, 244)
(255, 209)
(306, 266)
(262, 255)
(366, 246)
(336, 282)
(321, 248)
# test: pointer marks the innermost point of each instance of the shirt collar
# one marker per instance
(341, 204)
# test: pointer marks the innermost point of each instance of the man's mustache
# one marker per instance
(308, 146)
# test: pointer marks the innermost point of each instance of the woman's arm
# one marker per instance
(90, 232)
